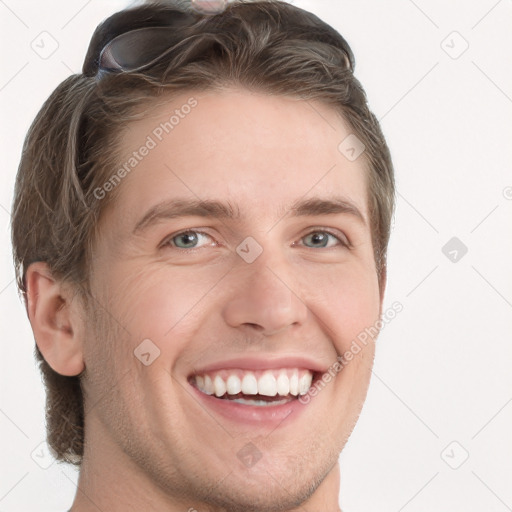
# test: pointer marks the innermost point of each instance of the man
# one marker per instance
(200, 227)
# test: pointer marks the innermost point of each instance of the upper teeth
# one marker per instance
(268, 382)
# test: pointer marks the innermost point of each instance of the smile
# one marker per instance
(261, 388)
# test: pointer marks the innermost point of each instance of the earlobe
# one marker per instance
(55, 319)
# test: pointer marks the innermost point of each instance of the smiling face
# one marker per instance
(234, 267)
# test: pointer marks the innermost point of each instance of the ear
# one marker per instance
(54, 313)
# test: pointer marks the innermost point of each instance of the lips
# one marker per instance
(260, 391)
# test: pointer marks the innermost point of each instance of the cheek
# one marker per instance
(346, 301)
(115, 361)
(159, 302)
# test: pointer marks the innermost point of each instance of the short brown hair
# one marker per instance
(71, 147)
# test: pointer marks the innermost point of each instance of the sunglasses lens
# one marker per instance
(135, 48)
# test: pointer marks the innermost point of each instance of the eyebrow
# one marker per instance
(177, 208)
(331, 206)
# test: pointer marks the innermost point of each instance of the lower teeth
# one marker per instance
(260, 402)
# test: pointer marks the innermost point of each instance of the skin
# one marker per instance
(150, 444)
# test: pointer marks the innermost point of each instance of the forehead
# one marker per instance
(258, 151)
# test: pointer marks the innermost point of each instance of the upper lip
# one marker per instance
(262, 362)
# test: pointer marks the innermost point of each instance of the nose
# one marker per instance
(263, 298)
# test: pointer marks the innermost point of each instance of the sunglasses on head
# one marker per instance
(135, 49)
(140, 41)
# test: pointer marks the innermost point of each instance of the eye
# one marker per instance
(323, 239)
(188, 240)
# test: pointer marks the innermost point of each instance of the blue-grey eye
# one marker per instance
(187, 239)
(320, 239)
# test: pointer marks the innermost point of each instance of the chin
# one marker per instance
(271, 485)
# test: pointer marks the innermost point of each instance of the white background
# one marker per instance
(443, 365)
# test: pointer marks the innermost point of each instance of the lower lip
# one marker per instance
(251, 414)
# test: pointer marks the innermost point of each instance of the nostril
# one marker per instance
(256, 327)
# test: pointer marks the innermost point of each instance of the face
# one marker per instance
(230, 299)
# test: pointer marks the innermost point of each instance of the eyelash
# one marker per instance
(168, 242)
